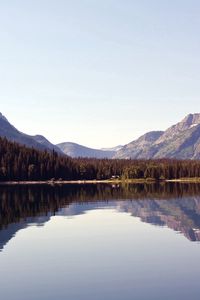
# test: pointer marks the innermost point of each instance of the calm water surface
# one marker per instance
(100, 242)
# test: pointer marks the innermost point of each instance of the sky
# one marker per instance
(99, 73)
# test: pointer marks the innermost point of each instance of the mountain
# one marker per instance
(45, 143)
(12, 134)
(116, 148)
(76, 150)
(141, 148)
(40, 142)
(180, 141)
(189, 122)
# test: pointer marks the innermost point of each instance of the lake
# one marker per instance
(100, 242)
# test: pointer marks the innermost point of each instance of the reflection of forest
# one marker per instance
(174, 205)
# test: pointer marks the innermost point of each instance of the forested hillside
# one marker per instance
(21, 163)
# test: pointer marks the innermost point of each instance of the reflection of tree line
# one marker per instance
(20, 202)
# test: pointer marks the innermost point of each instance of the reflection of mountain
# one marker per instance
(7, 233)
(174, 205)
(181, 215)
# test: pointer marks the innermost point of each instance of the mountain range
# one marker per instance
(180, 141)
(40, 142)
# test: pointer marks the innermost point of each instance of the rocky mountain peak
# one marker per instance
(180, 141)
(188, 122)
(191, 120)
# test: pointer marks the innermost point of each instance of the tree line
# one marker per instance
(19, 162)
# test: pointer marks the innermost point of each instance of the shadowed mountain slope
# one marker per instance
(12, 134)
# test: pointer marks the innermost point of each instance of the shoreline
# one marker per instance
(66, 182)
(185, 180)
(108, 181)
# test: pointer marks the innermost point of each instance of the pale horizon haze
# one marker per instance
(98, 73)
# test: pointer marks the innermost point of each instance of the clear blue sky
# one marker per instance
(99, 73)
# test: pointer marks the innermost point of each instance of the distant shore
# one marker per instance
(108, 181)
(186, 180)
(64, 182)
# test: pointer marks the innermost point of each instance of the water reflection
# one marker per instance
(176, 206)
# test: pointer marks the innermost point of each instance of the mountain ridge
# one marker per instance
(180, 141)
(76, 150)
(13, 134)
